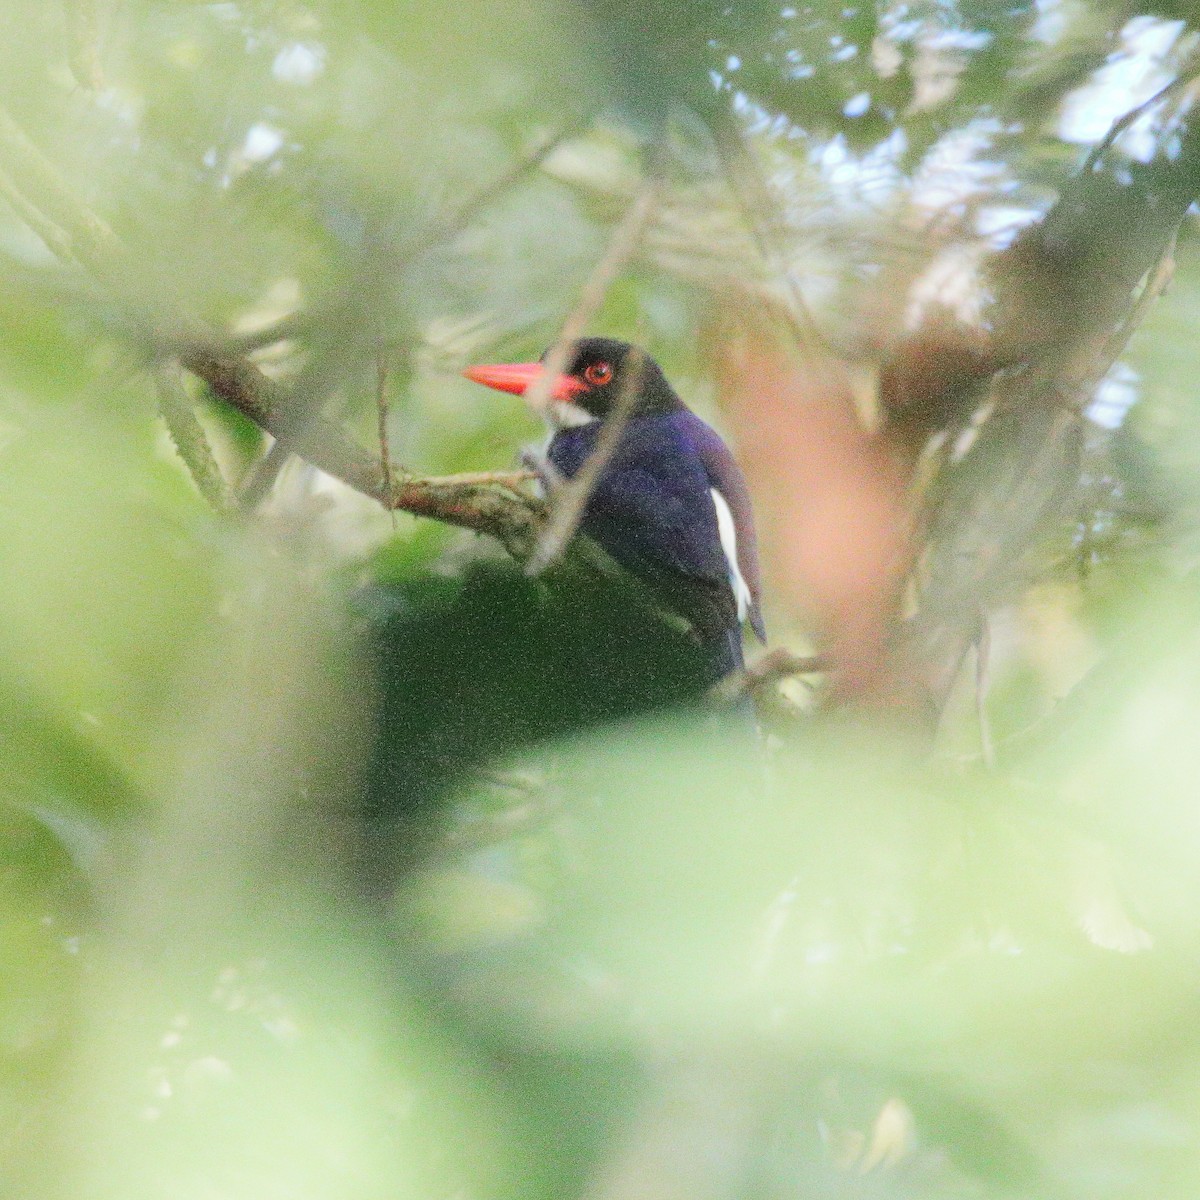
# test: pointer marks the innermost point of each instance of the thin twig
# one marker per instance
(451, 224)
(340, 347)
(758, 206)
(442, 229)
(42, 199)
(189, 437)
(1157, 281)
(381, 409)
(505, 479)
(620, 249)
(56, 240)
(774, 666)
(570, 500)
(484, 502)
(1122, 123)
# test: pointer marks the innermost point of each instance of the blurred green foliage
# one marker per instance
(323, 875)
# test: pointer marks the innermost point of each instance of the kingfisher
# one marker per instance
(670, 504)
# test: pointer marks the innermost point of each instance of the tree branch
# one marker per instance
(485, 504)
(381, 421)
(774, 666)
(43, 198)
(357, 306)
(190, 439)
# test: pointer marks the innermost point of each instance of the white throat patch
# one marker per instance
(728, 532)
(562, 414)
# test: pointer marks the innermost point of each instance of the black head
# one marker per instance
(598, 372)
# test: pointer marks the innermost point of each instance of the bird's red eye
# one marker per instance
(598, 374)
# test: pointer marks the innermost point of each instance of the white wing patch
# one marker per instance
(728, 532)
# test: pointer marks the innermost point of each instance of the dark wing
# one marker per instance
(659, 521)
(726, 476)
(651, 510)
(666, 534)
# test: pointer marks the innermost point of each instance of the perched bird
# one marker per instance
(670, 504)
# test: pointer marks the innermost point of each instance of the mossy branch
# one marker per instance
(190, 439)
